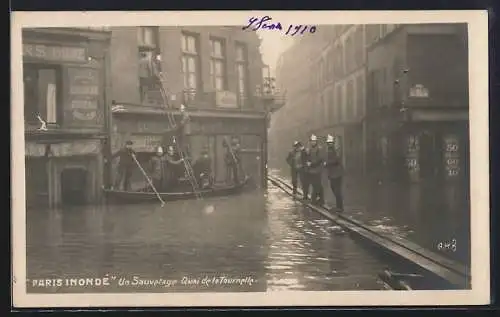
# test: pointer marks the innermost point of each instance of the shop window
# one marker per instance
(42, 94)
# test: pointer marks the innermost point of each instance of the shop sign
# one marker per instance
(419, 91)
(226, 99)
(34, 149)
(83, 147)
(451, 156)
(56, 53)
(146, 143)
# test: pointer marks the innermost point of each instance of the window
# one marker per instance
(350, 100)
(241, 72)
(360, 93)
(190, 65)
(41, 93)
(217, 64)
(358, 47)
(339, 104)
(146, 36)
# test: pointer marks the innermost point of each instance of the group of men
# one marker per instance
(307, 164)
(166, 169)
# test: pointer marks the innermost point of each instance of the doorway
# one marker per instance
(74, 186)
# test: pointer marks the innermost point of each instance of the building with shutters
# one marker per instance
(417, 92)
(324, 76)
(64, 81)
(213, 71)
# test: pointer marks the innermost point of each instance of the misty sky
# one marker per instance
(273, 44)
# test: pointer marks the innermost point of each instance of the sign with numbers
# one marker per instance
(451, 155)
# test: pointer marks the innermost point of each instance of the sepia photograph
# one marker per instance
(250, 158)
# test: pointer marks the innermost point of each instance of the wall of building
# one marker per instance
(78, 128)
(405, 122)
(125, 47)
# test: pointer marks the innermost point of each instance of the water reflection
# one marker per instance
(427, 212)
(266, 236)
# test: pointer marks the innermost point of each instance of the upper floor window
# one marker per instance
(241, 73)
(42, 84)
(146, 36)
(190, 65)
(218, 64)
(350, 104)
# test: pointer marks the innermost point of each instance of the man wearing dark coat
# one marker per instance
(335, 172)
(314, 165)
(158, 172)
(125, 165)
(203, 170)
(295, 160)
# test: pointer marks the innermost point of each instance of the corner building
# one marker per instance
(213, 71)
(64, 77)
(418, 101)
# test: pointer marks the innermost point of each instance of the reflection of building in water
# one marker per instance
(213, 71)
(64, 114)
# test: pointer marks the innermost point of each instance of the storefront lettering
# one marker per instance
(84, 115)
(34, 149)
(146, 142)
(55, 53)
(83, 104)
(75, 148)
(84, 90)
(226, 99)
(451, 155)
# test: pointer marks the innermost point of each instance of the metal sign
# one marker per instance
(419, 91)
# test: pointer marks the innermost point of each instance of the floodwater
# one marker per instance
(257, 241)
(433, 215)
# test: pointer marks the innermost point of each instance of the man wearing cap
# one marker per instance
(295, 161)
(203, 170)
(335, 171)
(174, 169)
(158, 169)
(314, 165)
(233, 160)
(125, 165)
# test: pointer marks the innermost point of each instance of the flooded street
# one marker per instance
(264, 239)
(431, 215)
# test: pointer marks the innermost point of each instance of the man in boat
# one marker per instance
(158, 169)
(335, 171)
(174, 168)
(233, 160)
(125, 165)
(203, 170)
(295, 161)
(183, 129)
(314, 164)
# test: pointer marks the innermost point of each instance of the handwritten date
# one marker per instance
(266, 23)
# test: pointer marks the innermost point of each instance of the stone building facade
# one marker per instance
(213, 71)
(64, 77)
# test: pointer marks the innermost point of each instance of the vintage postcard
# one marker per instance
(250, 158)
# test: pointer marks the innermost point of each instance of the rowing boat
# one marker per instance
(131, 197)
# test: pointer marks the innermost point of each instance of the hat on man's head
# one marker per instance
(313, 137)
(296, 143)
(330, 139)
(129, 142)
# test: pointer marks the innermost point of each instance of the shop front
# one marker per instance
(208, 130)
(64, 115)
(65, 173)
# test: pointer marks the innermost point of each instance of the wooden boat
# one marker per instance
(131, 197)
